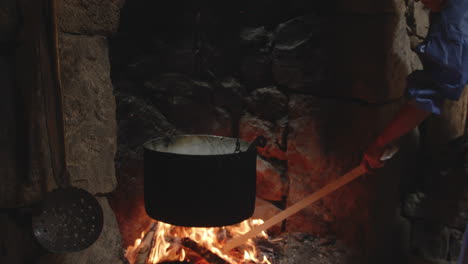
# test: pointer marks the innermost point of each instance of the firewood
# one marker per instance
(139, 255)
(145, 246)
(190, 255)
(202, 251)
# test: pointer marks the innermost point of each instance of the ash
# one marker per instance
(300, 248)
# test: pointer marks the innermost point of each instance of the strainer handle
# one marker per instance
(53, 104)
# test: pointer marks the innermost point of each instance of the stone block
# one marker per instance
(270, 183)
(251, 126)
(256, 39)
(89, 112)
(421, 19)
(268, 103)
(89, 17)
(255, 70)
(229, 94)
(300, 58)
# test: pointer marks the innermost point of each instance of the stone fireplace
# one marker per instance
(318, 80)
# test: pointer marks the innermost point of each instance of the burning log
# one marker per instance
(140, 254)
(195, 253)
(202, 251)
(145, 246)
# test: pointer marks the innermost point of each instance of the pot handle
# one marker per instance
(260, 141)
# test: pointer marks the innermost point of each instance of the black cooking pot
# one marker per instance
(200, 180)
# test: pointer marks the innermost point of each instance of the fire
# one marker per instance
(164, 243)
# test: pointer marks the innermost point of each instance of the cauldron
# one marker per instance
(200, 180)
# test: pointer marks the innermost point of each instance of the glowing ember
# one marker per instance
(164, 243)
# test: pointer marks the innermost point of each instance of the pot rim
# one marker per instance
(152, 144)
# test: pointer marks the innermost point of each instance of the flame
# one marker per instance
(164, 243)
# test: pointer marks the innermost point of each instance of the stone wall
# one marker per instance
(433, 201)
(318, 80)
(90, 126)
(435, 208)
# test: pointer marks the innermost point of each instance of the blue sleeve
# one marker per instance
(424, 92)
(444, 55)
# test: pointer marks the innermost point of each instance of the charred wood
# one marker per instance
(202, 251)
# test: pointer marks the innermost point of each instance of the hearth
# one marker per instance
(165, 243)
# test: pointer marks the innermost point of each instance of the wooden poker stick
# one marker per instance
(324, 191)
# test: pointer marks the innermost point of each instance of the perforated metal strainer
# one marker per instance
(70, 219)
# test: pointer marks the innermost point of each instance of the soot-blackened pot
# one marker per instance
(199, 180)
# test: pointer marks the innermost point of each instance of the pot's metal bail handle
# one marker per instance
(260, 141)
(237, 150)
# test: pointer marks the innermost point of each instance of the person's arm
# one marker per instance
(411, 114)
(409, 117)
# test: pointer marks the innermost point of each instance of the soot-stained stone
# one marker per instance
(138, 122)
(270, 183)
(256, 39)
(229, 94)
(300, 60)
(268, 103)
(255, 70)
(251, 126)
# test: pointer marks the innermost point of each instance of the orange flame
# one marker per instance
(165, 244)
